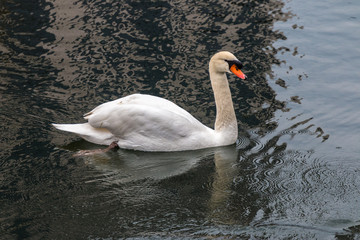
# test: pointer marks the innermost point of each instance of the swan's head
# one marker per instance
(223, 62)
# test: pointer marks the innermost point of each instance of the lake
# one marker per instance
(294, 172)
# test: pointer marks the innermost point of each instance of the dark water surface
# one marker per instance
(294, 173)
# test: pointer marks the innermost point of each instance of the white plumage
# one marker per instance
(149, 123)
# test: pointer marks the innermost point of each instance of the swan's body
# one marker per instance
(149, 123)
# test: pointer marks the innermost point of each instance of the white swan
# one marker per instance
(149, 123)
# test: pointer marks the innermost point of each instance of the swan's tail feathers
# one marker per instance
(74, 128)
(95, 135)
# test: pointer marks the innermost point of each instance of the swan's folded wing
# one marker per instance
(129, 119)
(140, 100)
(145, 122)
(140, 126)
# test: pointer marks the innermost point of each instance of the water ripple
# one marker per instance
(242, 142)
(292, 184)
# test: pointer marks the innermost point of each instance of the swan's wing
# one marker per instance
(146, 121)
(143, 100)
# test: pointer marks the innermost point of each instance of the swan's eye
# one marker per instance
(237, 63)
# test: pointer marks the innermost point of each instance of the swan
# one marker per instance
(149, 123)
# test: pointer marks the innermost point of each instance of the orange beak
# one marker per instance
(237, 72)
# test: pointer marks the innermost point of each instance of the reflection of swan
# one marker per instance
(148, 123)
(126, 165)
(226, 170)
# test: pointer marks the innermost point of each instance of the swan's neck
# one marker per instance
(225, 115)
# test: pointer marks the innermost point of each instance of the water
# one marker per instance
(294, 173)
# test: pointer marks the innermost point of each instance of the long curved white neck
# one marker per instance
(225, 113)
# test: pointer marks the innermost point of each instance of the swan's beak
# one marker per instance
(237, 72)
